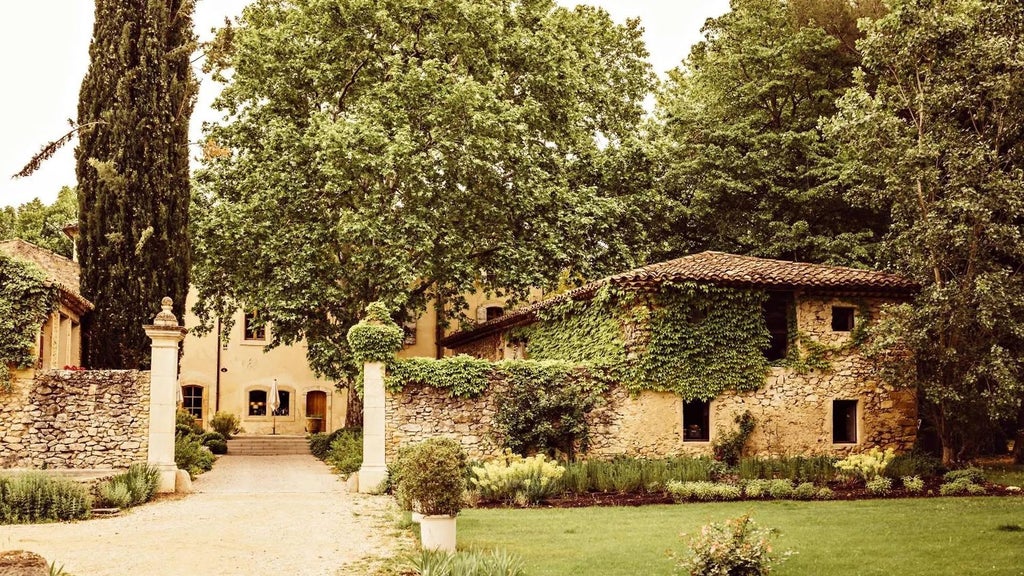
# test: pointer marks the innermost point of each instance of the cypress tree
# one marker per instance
(132, 168)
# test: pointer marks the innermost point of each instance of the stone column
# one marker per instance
(166, 334)
(374, 470)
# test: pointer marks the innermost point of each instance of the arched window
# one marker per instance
(192, 400)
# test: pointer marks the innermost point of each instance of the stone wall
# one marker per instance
(793, 411)
(76, 419)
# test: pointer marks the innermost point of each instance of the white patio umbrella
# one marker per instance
(273, 403)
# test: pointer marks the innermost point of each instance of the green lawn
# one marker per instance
(1006, 474)
(927, 537)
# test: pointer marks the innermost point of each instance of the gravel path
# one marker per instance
(250, 515)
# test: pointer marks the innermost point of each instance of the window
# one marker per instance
(495, 312)
(696, 421)
(409, 330)
(777, 311)
(257, 403)
(192, 400)
(844, 421)
(285, 399)
(842, 319)
(254, 330)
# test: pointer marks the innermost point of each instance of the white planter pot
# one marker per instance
(438, 533)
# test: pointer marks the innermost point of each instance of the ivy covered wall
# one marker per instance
(26, 299)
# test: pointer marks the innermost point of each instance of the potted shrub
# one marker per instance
(433, 479)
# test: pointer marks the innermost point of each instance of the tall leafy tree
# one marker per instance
(408, 150)
(40, 224)
(739, 159)
(132, 168)
(933, 132)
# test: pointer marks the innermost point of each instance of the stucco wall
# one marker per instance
(793, 411)
(76, 419)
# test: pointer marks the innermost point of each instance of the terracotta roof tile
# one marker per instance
(59, 271)
(715, 268)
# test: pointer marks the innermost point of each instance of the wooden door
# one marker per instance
(316, 405)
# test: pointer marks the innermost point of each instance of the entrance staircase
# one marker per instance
(277, 445)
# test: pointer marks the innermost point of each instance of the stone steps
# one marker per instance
(268, 445)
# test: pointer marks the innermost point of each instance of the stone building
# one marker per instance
(842, 408)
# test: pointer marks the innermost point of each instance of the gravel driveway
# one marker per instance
(250, 515)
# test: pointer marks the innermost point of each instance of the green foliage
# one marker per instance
(913, 484)
(816, 469)
(514, 479)
(464, 563)
(226, 424)
(36, 497)
(216, 446)
(580, 332)
(624, 474)
(974, 475)
(913, 464)
(704, 339)
(40, 224)
(376, 338)
(805, 491)
(191, 455)
(135, 486)
(733, 547)
(133, 198)
(346, 451)
(703, 491)
(415, 151)
(866, 465)
(728, 445)
(432, 476)
(879, 485)
(463, 376)
(25, 301)
(544, 406)
(924, 135)
(320, 444)
(185, 423)
(739, 160)
(961, 486)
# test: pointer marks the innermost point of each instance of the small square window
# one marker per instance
(844, 421)
(254, 330)
(696, 421)
(842, 319)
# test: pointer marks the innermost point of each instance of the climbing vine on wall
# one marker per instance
(806, 354)
(577, 331)
(703, 339)
(25, 301)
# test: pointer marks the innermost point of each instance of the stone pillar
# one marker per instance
(166, 335)
(374, 470)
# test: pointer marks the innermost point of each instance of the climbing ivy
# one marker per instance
(26, 299)
(806, 354)
(577, 331)
(462, 376)
(703, 339)
(376, 338)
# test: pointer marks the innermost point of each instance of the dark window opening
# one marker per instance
(284, 399)
(409, 331)
(192, 400)
(842, 319)
(696, 421)
(844, 421)
(257, 403)
(253, 329)
(495, 312)
(777, 311)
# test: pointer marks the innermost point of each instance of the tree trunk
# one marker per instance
(354, 411)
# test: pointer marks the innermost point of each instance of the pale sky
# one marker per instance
(46, 42)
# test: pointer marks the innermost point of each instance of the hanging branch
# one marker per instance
(51, 148)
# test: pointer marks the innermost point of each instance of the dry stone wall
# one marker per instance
(76, 419)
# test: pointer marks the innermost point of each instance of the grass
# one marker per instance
(1006, 474)
(926, 537)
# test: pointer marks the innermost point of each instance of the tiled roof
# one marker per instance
(714, 268)
(59, 271)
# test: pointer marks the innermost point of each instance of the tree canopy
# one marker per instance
(40, 224)
(933, 133)
(133, 174)
(739, 160)
(408, 150)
